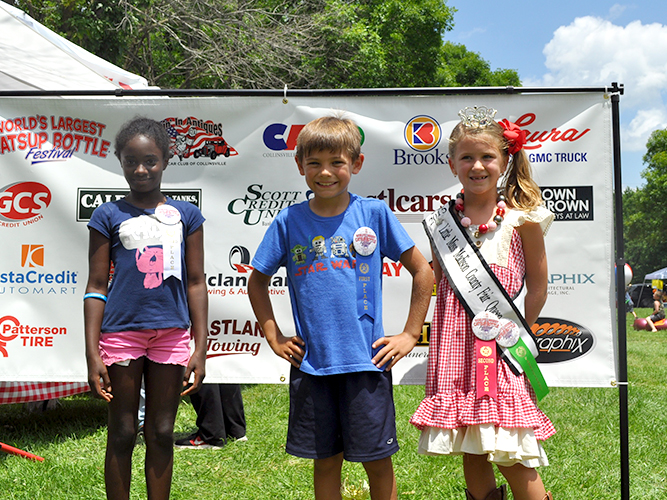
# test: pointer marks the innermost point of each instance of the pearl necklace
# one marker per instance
(482, 229)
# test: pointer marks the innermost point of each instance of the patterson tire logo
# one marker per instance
(5, 337)
(561, 340)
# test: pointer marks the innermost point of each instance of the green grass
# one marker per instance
(584, 454)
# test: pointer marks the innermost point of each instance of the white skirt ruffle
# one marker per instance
(504, 447)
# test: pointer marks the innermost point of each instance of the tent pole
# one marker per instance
(620, 301)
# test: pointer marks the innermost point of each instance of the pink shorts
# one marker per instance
(167, 346)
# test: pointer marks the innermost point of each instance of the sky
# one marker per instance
(579, 43)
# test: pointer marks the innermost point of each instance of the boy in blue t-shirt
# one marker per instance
(341, 401)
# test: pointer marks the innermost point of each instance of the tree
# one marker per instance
(645, 212)
(461, 67)
(269, 43)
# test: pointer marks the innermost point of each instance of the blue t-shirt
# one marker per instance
(140, 296)
(320, 261)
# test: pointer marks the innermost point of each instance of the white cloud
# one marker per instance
(617, 10)
(636, 133)
(594, 51)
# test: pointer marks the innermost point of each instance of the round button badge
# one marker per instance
(485, 325)
(364, 241)
(167, 214)
(509, 333)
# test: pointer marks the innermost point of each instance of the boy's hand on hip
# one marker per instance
(395, 347)
(289, 348)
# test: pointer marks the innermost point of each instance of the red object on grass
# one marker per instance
(15, 451)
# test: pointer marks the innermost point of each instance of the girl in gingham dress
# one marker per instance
(508, 226)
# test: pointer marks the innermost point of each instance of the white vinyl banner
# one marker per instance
(234, 158)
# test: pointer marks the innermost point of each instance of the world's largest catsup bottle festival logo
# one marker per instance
(52, 138)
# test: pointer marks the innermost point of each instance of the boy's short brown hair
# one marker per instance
(329, 133)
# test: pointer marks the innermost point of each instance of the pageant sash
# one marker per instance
(478, 289)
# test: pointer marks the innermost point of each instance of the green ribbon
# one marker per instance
(525, 358)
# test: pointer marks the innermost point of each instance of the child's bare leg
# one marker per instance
(381, 479)
(525, 483)
(478, 473)
(651, 325)
(122, 429)
(326, 477)
(163, 392)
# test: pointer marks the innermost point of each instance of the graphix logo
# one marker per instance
(561, 340)
(193, 137)
(22, 203)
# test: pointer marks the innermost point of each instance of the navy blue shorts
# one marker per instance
(352, 413)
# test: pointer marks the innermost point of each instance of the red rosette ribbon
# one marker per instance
(516, 138)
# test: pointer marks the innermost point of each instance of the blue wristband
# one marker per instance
(95, 296)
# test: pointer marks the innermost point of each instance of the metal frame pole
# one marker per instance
(620, 301)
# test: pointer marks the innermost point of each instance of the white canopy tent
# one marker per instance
(660, 274)
(35, 58)
(32, 57)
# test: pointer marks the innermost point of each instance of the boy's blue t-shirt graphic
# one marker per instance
(321, 263)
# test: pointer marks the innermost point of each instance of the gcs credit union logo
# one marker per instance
(422, 133)
(22, 201)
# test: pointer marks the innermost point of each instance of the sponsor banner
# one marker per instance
(233, 157)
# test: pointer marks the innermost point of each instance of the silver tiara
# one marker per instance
(477, 116)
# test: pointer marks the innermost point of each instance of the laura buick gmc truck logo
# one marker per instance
(22, 203)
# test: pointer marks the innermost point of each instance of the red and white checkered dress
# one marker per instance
(451, 401)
